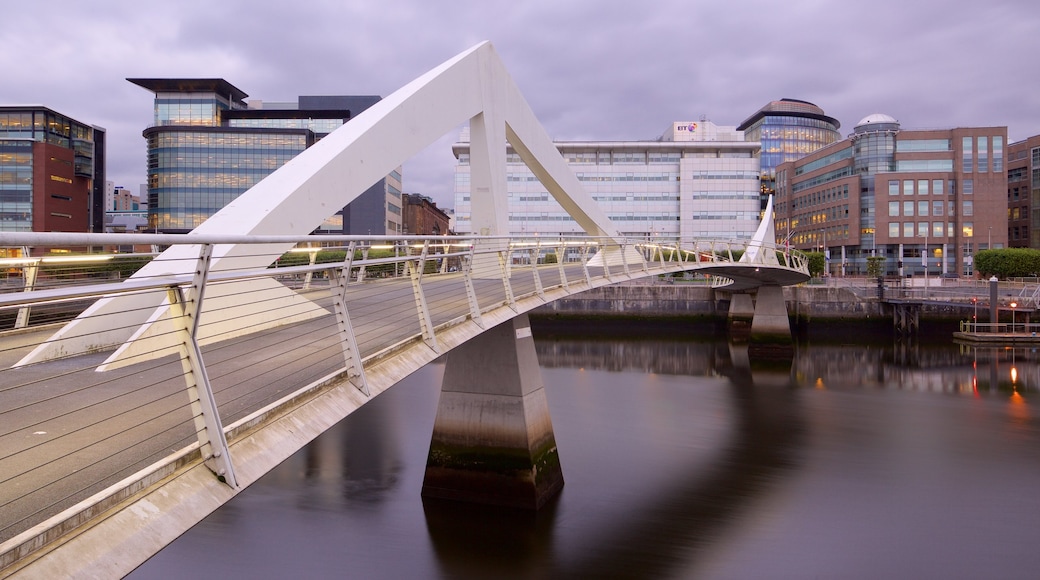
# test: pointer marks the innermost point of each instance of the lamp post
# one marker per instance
(1013, 306)
(975, 317)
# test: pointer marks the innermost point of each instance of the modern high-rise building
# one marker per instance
(52, 172)
(207, 146)
(1023, 175)
(697, 180)
(788, 130)
(915, 197)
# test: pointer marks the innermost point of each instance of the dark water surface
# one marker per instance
(681, 460)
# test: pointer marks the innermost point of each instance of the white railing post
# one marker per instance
(415, 272)
(535, 253)
(504, 261)
(29, 273)
(210, 431)
(348, 340)
(585, 263)
(561, 254)
(471, 293)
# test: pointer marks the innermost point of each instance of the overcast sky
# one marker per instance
(596, 70)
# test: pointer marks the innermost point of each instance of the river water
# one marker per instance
(681, 460)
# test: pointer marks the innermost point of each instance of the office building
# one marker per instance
(52, 172)
(207, 146)
(697, 180)
(422, 217)
(787, 130)
(919, 198)
(1023, 175)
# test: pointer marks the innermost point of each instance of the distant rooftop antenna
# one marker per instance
(704, 117)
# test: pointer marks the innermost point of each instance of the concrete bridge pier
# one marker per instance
(493, 440)
(771, 326)
(740, 317)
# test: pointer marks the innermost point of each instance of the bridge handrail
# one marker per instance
(357, 316)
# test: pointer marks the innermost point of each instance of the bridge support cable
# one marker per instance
(493, 441)
(348, 340)
(415, 272)
(210, 431)
(471, 293)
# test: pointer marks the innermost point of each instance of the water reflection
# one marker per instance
(683, 458)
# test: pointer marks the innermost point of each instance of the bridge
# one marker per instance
(104, 460)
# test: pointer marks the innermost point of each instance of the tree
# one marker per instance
(1008, 262)
(817, 263)
(875, 266)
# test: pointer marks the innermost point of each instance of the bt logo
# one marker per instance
(691, 127)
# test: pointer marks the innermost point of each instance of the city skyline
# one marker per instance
(591, 71)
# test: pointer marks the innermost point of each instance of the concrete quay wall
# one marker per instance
(804, 303)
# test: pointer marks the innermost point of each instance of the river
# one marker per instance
(681, 459)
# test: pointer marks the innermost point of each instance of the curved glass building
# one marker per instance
(788, 130)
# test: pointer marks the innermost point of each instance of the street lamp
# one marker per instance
(975, 317)
(1013, 305)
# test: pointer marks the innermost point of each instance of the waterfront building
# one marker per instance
(698, 179)
(1023, 175)
(788, 130)
(422, 217)
(52, 172)
(207, 146)
(920, 198)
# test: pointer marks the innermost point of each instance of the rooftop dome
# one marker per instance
(877, 118)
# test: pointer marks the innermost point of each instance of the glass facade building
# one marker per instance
(52, 174)
(207, 146)
(787, 130)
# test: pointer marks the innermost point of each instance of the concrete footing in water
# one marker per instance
(493, 440)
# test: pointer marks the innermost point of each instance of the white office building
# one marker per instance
(697, 180)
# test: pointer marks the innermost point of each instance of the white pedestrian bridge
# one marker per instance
(188, 373)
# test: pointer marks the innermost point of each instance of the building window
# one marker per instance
(893, 209)
(938, 208)
(908, 187)
(922, 208)
(922, 187)
(968, 229)
(966, 158)
(998, 154)
(893, 229)
(922, 229)
(983, 143)
(969, 209)
(937, 186)
(893, 188)
(968, 186)
(908, 229)
(908, 208)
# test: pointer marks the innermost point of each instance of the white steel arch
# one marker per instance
(473, 86)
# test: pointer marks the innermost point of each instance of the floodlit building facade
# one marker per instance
(697, 180)
(207, 146)
(52, 172)
(915, 197)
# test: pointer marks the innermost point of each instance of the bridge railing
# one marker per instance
(175, 353)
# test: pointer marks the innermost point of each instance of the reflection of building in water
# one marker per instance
(652, 356)
(944, 369)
